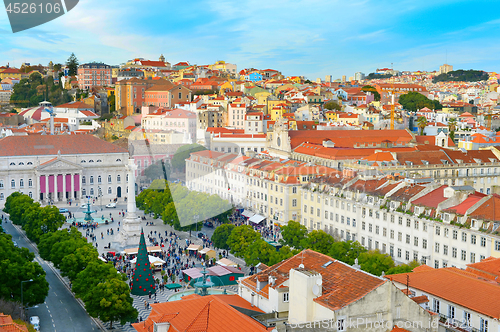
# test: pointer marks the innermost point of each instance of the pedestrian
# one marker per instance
(150, 295)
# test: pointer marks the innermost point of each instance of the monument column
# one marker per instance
(56, 189)
(130, 231)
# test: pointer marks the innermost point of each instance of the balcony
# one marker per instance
(453, 324)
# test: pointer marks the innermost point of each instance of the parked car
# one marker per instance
(111, 205)
(202, 235)
(15, 243)
(84, 205)
(208, 223)
(35, 321)
(63, 210)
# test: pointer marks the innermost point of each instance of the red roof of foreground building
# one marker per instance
(460, 287)
(462, 208)
(489, 210)
(488, 268)
(336, 276)
(8, 325)
(215, 313)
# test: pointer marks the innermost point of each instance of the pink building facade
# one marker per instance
(92, 75)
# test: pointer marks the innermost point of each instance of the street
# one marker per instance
(61, 311)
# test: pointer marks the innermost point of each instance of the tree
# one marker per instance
(17, 207)
(76, 262)
(240, 239)
(331, 105)
(158, 170)
(318, 240)
(16, 265)
(9, 201)
(293, 233)
(403, 268)
(375, 263)
(452, 127)
(461, 75)
(183, 153)
(421, 124)
(37, 221)
(48, 240)
(221, 235)
(346, 251)
(369, 88)
(260, 251)
(72, 64)
(110, 301)
(57, 67)
(95, 273)
(64, 248)
(413, 101)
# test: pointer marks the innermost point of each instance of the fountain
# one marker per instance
(87, 219)
(203, 285)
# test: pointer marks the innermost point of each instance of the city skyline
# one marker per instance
(309, 38)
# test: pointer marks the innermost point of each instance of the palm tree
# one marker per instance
(421, 124)
(452, 126)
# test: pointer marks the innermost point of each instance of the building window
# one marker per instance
(464, 237)
(424, 243)
(110, 191)
(109, 178)
(497, 245)
(473, 239)
(464, 255)
(99, 179)
(399, 252)
(1, 197)
(84, 180)
(483, 325)
(466, 320)
(13, 183)
(91, 180)
(21, 183)
(30, 194)
(454, 252)
(483, 239)
(438, 230)
(472, 257)
(84, 192)
(1, 183)
(445, 249)
(91, 191)
(455, 234)
(30, 183)
(118, 178)
(435, 307)
(436, 247)
(285, 297)
(341, 324)
(294, 202)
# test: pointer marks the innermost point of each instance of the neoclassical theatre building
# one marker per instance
(55, 168)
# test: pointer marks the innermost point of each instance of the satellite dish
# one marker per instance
(319, 282)
(315, 290)
(301, 266)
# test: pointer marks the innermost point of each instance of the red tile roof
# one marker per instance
(35, 145)
(432, 199)
(456, 286)
(8, 325)
(487, 268)
(467, 204)
(342, 284)
(213, 313)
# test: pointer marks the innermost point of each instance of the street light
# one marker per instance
(22, 298)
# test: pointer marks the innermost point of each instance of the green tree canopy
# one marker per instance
(37, 221)
(240, 239)
(346, 251)
(221, 235)
(16, 265)
(260, 251)
(183, 153)
(332, 105)
(95, 272)
(17, 205)
(72, 64)
(403, 268)
(369, 88)
(375, 262)
(110, 301)
(413, 101)
(421, 124)
(461, 75)
(48, 240)
(66, 247)
(318, 240)
(293, 234)
(158, 170)
(76, 262)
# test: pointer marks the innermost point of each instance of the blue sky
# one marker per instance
(313, 38)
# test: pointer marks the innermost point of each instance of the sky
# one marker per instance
(312, 38)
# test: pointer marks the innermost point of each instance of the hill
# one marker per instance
(462, 76)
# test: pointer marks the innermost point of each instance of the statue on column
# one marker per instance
(130, 230)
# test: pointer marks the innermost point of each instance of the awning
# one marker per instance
(248, 213)
(256, 219)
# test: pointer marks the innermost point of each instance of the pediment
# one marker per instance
(58, 164)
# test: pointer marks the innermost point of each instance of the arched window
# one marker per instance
(110, 191)
(83, 180)
(91, 161)
(83, 161)
(99, 179)
(12, 164)
(21, 163)
(91, 180)
(30, 183)
(1, 197)
(91, 191)
(127, 177)
(109, 178)
(118, 178)
(30, 194)
(118, 160)
(21, 183)
(84, 192)
(29, 163)
(99, 160)
(13, 183)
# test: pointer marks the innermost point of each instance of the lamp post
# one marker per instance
(100, 195)
(22, 298)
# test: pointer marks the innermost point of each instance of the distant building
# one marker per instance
(445, 69)
(92, 75)
(359, 76)
(328, 78)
